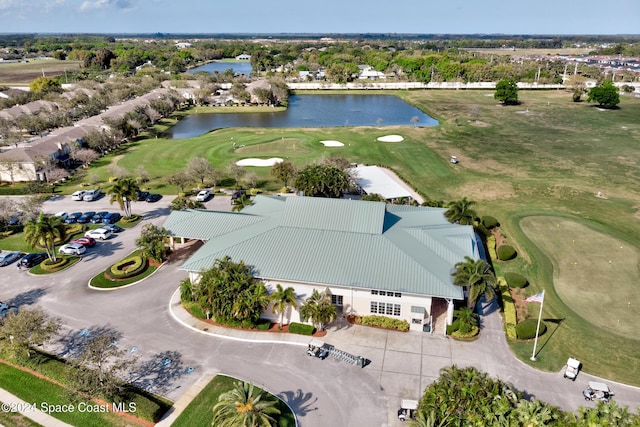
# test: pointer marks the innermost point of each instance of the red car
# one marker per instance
(85, 241)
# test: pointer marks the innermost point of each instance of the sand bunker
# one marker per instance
(330, 143)
(391, 138)
(259, 162)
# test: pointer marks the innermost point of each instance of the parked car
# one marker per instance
(72, 249)
(15, 219)
(111, 218)
(98, 233)
(6, 309)
(97, 218)
(203, 195)
(112, 228)
(92, 195)
(73, 217)
(152, 198)
(572, 368)
(7, 258)
(596, 390)
(142, 195)
(85, 241)
(235, 196)
(407, 409)
(29, 260)
(86, 217)
(78, 195)
(62, 215)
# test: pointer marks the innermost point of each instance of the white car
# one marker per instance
(78, 195)
(203, 195)
(98, 234)
(72, 249)
(91, 195)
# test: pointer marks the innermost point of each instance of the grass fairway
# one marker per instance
(23, 73)
(547, 156)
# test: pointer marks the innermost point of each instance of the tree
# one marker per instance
(245, 406)
(241, 202)
(283, 171)
(43, 85)
(22, 331)
(466, 318)
(44, 232)
(182, 203)
(153, 242)
(373, 197)
(322, 181)
(282, 299)
(199, 169)
(180, 179)
(460, 212)
(124, 191)
(507, 92)
(318, 309)
(477, 276)
(578, 86)
(237, 172)
(84, 156)
(606, 95)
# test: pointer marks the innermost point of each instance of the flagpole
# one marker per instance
(535, 343)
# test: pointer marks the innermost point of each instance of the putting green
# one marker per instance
(596, 275)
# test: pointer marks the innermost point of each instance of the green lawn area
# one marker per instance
(199, 412)
(101, 281)
(547, 156)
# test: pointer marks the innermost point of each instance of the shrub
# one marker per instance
(526, 329)
(491, 245)
(49, 265)
(301, 328)
(263, 325)
(128, 267)
(489, 221)
(510, 316)
(506, 252)
(383, 322)
(453, 327)
(472, 333)
(132, 218)
(515, 280)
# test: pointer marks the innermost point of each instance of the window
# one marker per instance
(396, 309)
(389, 309)
(382, 293)
(374, 292)
(374, 307)
(397, 295)
(336, 300)
(416, 321)
(385, 308)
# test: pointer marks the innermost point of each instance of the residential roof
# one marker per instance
(349, 243)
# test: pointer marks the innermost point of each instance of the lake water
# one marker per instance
(307, 111)
(238, 67)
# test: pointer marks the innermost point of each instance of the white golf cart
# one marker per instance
(454, 160)
(318, 349)
(597, 391)
(572, 368)
(407, 409)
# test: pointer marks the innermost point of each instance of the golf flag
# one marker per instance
(536, 298)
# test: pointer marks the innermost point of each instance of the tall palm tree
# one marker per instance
(318, 309)
(43, 232)
(478, 277)
(282, 299)
(244, 406)
(460, 212)
(241, 202)
(124, 191)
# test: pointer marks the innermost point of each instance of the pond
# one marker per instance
(307, 111)
(238, 67)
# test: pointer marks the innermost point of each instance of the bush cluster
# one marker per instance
(263, 325)
(506, 252)
(490, 222)
(383, 322)
(471, 334)
(515, 280)
(49, 265)
(510, 316)
(132, 218)
(134, 264)
(491, 245)
(526, 329)
(301, 328)
(453, 327)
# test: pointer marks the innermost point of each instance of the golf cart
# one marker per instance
(407, 409)
(454, 160)
(318, 349)
(572, 368)
(598, 391)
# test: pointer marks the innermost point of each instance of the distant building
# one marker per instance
(243, 57)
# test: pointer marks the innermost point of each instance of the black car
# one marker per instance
(86, 217)
(151, 198)
(237, 195)
(111, 218)
(97, 218)
(73, 217)
(113, 228)
(29, 260)
(142, 195)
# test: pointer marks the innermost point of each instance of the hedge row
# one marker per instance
(49, 265)
(506, 252)
(526, 329)
(136, 265)
(491, 245)
(510, 317)
(490, 222)
(383, 322)
(515, 280)
(301, 328)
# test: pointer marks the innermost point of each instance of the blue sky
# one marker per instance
(324, 16)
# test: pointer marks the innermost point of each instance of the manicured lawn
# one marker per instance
(547, 156)
(199, 412)
(101, 281)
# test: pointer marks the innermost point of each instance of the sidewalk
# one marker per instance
(11, 403)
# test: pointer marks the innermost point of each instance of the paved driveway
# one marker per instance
(322, 393)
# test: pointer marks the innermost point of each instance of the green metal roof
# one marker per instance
(348, 243)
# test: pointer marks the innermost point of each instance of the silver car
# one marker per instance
(7, 258)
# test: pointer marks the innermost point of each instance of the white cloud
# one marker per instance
(100, 4)
(8, 4)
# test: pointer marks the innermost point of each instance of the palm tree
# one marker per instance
(124, 191)
(241, 202)
(318, 309)
(478, 277)
(282, 299)
(244, 406)
(467, 319)
(43, 232)
(460, 212)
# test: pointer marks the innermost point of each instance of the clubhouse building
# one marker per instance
(371, 257)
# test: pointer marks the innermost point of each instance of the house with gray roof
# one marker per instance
(371, 257)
